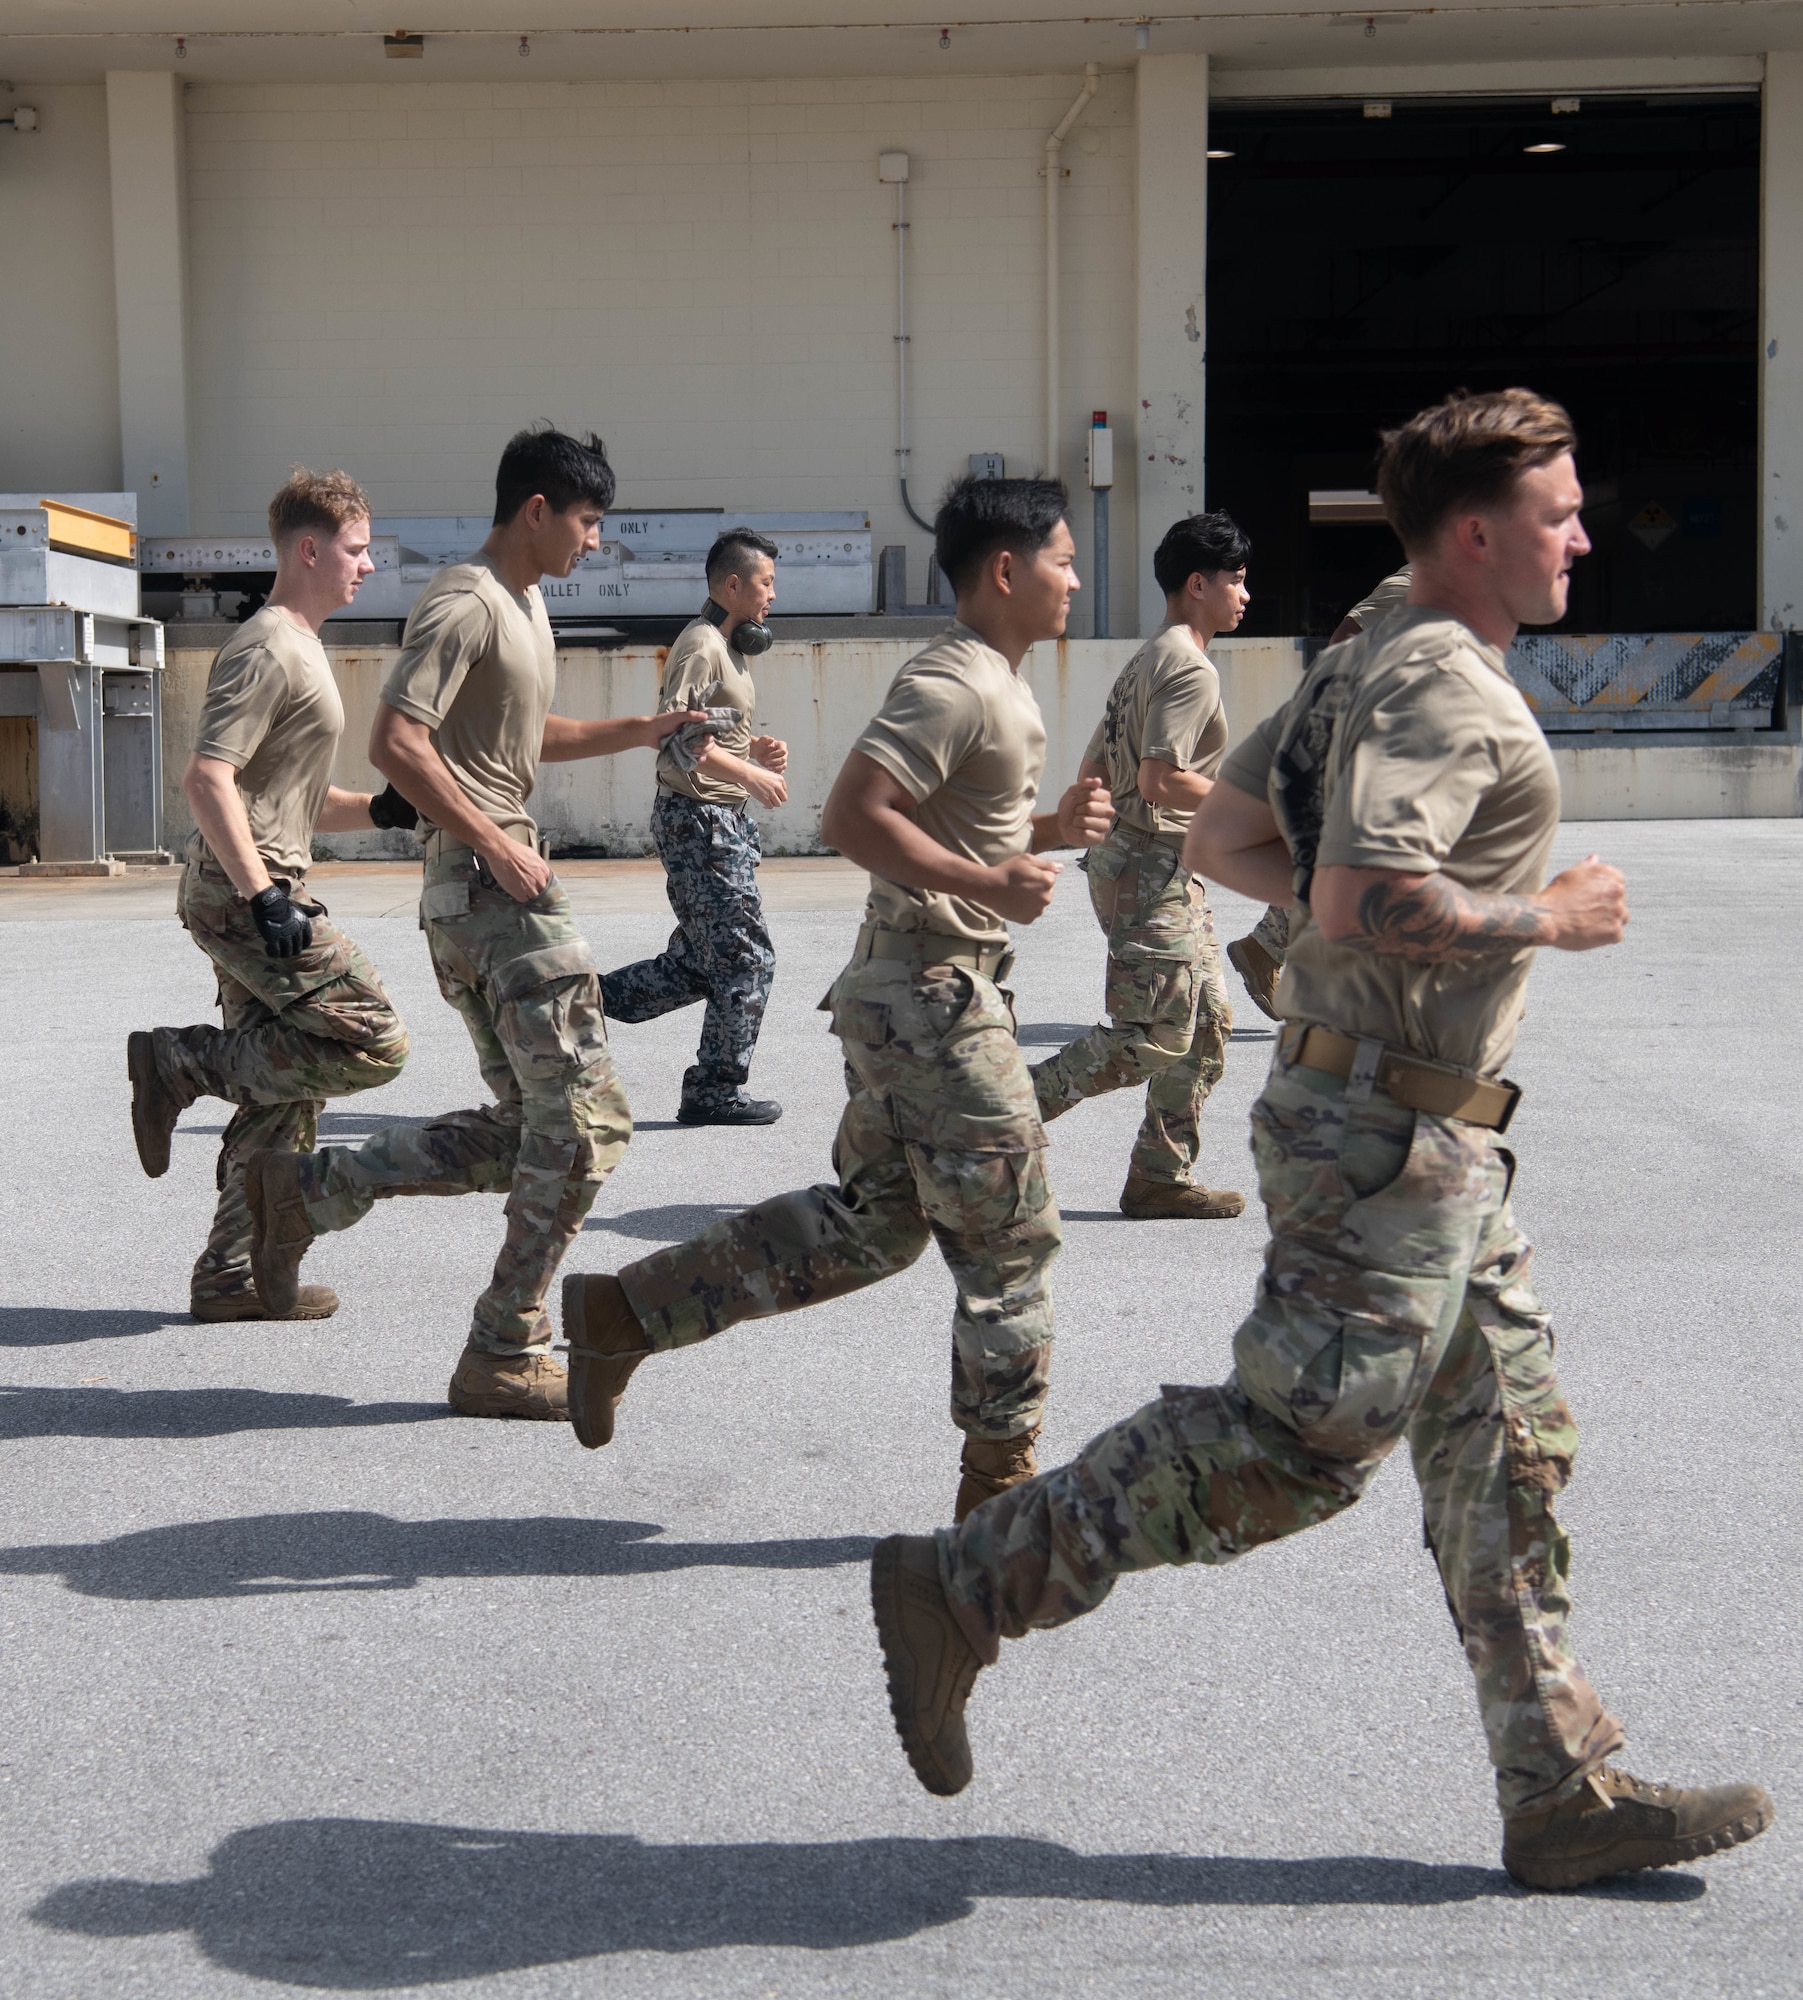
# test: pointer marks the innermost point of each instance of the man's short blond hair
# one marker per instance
(316, 502)
(1465, 452)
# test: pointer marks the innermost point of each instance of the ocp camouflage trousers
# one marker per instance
(521, 976)
(297, 1032)
(1273, 931)
(720, 950)
(1168, 1014)
(1395, 1304)
(939, 1139)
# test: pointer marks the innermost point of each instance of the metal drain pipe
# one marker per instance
(1054, 172)
(894, 167)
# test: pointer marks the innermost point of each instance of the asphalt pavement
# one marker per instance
(311, 1685)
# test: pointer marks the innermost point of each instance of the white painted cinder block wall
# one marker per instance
(394, 277)
(816, 697)
(59, 358)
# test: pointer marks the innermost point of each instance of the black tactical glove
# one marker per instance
(287, 932)
(389, 809)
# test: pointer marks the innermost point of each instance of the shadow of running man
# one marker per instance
(188, 1413)
(360, 1905)
(270, 1555)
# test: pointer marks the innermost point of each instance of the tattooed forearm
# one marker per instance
(1430, 918)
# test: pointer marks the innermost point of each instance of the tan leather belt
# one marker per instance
(1413, 1081)
(993, 961)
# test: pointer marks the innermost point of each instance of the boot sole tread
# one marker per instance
(511, 1410)
(258, 1312)
(138, 1045)
(1579, 1874)
(591, 1436)
(886, 1583)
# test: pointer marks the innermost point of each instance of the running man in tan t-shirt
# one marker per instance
(463, 724)
(305, 1018)
(1406, 802)
(720, 950)
(1157, 748)
(941, 1138)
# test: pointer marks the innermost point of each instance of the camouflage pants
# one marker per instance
(521, 976)
(1395, 1304)
(939, 1139)
(1273, 931)
(720, 950)
(297, 1031)
(1168, 1017)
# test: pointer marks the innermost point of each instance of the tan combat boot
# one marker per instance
(1258, 971)
(154, 1106)
(509, 1385)
(605, 1344)
(280, 1234)
(311, 1302)
(930, 1665)
(990, 1466)
(1178, 1201)
(1617, 1824)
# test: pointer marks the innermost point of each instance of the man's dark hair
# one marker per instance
(1205, 543)
(979, 517)
(564, 469)
(732, 552)
(1465, 452)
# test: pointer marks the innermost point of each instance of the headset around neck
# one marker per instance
(747, 637)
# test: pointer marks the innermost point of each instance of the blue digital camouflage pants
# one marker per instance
(719, 952)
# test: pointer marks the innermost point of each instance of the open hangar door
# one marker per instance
(1365, 258)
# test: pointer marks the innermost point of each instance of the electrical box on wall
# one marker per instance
(987, 465)
(892, 166)
(1098, 457)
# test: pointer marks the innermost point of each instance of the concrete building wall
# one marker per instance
(394, 277)
(147, 146)
(59, 376)
(817, 697)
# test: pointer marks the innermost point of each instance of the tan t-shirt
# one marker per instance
(1390, 595)
(1166, 704)
(703, 671)
(272, 712)
(961, 733)
(478, 667)
(1437, 763)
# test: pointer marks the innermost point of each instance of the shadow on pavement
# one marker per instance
(188, 1413)
(66, 1326)
(335, 1126)
(674, 1224)
(1038, 1034)
(365, 1904)
(269, 1555)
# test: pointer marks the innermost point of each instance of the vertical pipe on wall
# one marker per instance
(895, 167)
(1054, 146)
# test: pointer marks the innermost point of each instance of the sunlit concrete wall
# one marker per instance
(817, 697)
(393, 277)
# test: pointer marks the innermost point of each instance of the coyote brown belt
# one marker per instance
(1410, 1080)
(993, 961)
